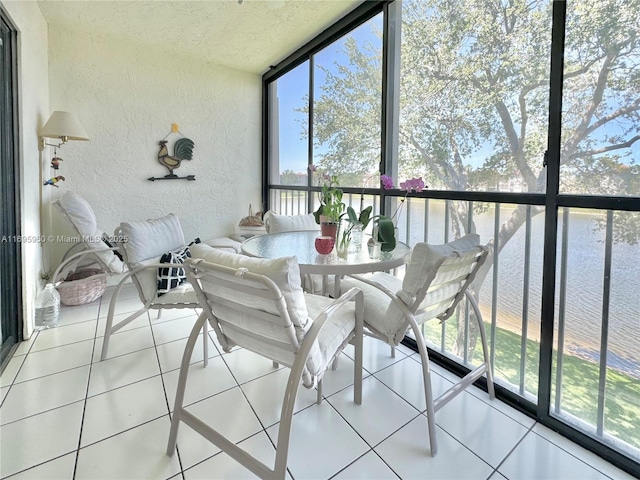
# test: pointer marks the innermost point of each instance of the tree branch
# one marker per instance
(609, 148)
(612, 116)
(601, 84)
(444, 166)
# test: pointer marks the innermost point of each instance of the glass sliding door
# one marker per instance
(10, 266)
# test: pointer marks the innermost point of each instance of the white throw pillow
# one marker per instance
(152, 238)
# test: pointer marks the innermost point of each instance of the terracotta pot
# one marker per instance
(329, 229)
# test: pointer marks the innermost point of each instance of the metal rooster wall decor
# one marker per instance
(182, 150)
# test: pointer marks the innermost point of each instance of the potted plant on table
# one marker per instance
(331, 206)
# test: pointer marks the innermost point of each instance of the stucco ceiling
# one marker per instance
(250, 36)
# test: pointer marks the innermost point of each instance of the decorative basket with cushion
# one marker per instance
(82, 287)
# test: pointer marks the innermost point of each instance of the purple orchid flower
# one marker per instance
(413, 185)
(387, 182)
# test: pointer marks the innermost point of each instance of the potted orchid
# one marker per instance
(386, 226)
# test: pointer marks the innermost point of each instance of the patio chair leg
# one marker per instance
(334, 364)
(428, 392)
(109, 328)
(358, 340)
(393, 351)
(485, 348)
(159, 313)
(182, 383)
(275, 364)
(319, 396)
(205, 344)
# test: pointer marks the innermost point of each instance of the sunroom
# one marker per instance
(522, 119)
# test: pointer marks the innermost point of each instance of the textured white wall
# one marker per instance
(33, 112)
(126, 96)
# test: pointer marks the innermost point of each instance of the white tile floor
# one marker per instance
(65, 415)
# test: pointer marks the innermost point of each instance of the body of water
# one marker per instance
(584, 287)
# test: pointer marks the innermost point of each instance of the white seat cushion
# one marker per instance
(225, 243)
(183, 293)
(381, 315)
(425, 260)
(334, 335)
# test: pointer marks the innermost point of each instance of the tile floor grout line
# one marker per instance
(568, 452)
(371, 447)
(63, 345)
(529, 430)
(84, 406)
(39, 413)
(495, 473)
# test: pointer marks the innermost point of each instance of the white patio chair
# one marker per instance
(259, 304)
(142, 244)
(436, 279)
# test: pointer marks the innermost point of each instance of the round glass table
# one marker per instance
(302, 245)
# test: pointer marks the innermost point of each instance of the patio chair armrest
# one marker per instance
(382, 288)
(76, 257)
(129, 274)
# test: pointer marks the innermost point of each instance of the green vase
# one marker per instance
(386, 234)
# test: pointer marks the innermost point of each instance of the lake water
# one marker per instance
(584, 289)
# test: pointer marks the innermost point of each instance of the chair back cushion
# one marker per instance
(151, 238)
(284, 272)
(291, 223)
(268, 313)
(143, 243)
(436, 275)
(79, 212)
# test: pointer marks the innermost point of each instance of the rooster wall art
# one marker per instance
(182, 150)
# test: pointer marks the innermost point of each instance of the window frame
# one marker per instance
(551, 199)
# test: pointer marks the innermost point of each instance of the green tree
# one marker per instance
(474, 78)
(289, 177)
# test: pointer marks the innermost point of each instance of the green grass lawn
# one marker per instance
(579, 382)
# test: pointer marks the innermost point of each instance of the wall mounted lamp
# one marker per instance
(63, 126)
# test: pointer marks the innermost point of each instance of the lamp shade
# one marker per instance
(63, 125)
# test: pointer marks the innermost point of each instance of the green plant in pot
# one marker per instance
(331, 206)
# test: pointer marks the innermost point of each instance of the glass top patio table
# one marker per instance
(302, 245)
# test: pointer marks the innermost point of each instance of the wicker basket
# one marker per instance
(82, 287)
